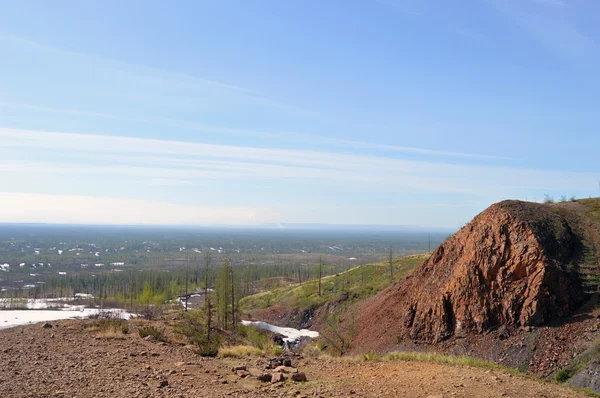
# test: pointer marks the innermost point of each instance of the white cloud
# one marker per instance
(178, 163)
(71, 209)
(285, 136)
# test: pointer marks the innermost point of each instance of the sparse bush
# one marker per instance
(193, 327)
(339, 333)
(151, 312)
(572, 198)
(206, 348)
(276, 350)
(548, 198)
(448, 359)
(563, 198)
(240, 351)
(158, 334)
(562, 375)
(260, 340)
(371, 356)
(104, 314)
(254, 336)
(523, 368)
(110, 327)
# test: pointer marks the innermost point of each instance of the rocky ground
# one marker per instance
(68, 360)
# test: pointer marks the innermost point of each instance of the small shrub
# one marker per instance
(312, 350)
(255, 337)
(548, 199)
(523, 368)
(151, 312)
(240, 351)
(321, 345)
(562, 375)
(208, 348)
(158, 334)
(451, 360)
(105, 314)
(193, 327)
(371, 356)
(110, 327)
(277, 350)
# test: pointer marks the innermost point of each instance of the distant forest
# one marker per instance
(124, 263)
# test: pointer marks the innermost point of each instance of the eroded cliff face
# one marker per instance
(510, 266)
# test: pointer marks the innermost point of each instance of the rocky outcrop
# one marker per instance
(511, 266)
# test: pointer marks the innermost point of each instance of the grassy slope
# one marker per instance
(356, 284)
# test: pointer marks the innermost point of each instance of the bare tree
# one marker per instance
(207, 303)
(391, 263)
(340, 334)
(233, 323)
(187, 267)
(362, 273)
(320, 273)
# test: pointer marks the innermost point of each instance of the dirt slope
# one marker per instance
(69, 361)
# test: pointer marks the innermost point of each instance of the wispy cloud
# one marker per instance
(162, 160)
(144, 75)
(282, 136)
(23, 42)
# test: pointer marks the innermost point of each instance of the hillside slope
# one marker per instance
(299, 305)
(513, 265)
(512, 281)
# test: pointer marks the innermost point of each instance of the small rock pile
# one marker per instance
(277, 370)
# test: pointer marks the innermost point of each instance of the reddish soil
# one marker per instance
(70, 361)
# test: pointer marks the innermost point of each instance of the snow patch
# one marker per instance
(291, 334)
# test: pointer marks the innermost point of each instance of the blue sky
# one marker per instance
(402, 112)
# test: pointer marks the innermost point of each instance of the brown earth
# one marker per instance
(68, 360)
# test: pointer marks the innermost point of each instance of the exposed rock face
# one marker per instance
(510, 266)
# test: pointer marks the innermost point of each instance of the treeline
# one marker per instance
(130, 286)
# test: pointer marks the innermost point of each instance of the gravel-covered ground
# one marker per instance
(68, 360)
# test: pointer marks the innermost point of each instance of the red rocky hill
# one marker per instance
(515, 265)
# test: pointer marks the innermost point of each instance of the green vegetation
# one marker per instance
(446, 359)
(157, 333)
(593, 206)
(227, 286)
(109, 327)
(579, 363)
(240, 351)
(115, 263)
(260, 340)
(193, 327)
(548, 199)
(352, 285)
(339, 333)
(563, 375)
(589, 265)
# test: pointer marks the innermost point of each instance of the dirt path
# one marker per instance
(68, 361)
